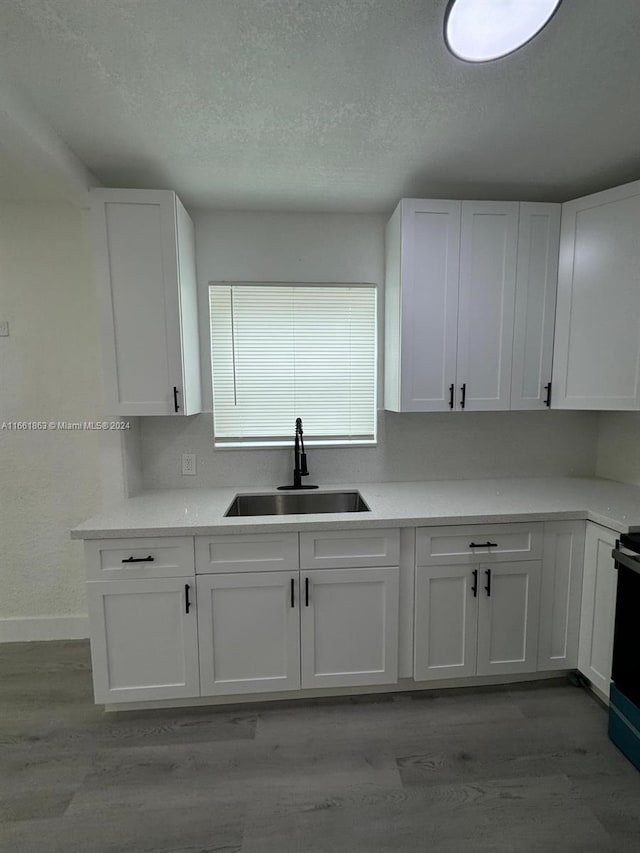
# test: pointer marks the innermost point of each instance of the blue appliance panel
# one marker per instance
(624, 725)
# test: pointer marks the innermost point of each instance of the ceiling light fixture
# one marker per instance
(482, 30)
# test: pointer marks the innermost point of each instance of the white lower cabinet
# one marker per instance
(490, 600)
(508, 607)
(476, 620)
(249, 632)
(266, 631)
(561, 594)
(446, 622)
(349, 627)
(144, 639)
(598, 607)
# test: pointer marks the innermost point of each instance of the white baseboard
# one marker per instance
(18, 630)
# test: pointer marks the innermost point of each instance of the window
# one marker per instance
(282, 351)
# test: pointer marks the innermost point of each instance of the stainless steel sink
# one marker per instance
(297, 503)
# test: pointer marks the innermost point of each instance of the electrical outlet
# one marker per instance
(4, 328)
(188, 463)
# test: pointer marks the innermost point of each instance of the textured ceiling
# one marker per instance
(328, 104)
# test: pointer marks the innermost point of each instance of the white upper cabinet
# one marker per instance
(488, 252)
(421, 305)
(536, 283)
(597, 335)
(145, 264)
(451, 273)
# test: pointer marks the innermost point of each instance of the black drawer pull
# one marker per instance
(187, 603)
(148, 559)
(176, 407)
(474, 588)
(293, 592)
(463, 398)
(483, 544)
(451, 389)
(488, 586)
(306, 592)
(547, 399)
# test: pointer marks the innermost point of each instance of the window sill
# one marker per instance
(276, 445)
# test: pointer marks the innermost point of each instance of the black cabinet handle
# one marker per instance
(483, 544)
(293, 592)
(306, 592)
(148, 559)
(463, 398)
(474, 588)
(451, 390)
(187, 603)
(488, 586)
(176, 407)
(547, 399)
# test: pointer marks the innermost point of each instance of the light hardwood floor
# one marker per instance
(511, 770)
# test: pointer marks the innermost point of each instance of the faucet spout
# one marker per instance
(300, 469)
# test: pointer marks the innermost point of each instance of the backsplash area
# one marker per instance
(458, 445)
(618, 456)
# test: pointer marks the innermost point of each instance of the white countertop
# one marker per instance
(186, 512)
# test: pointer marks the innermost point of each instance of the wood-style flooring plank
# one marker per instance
(518, 769)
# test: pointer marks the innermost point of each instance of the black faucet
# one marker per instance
(300, 461)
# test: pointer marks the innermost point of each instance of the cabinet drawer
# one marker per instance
(118, 559)
(349, 548)
(478, 543)
(251, 552)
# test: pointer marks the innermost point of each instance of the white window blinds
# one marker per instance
(279, 352)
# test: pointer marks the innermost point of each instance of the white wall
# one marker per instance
(329, 247)
(49, 370)
(618, 450)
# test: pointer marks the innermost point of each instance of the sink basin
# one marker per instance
(297, 503)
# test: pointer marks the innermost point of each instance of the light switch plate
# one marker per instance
(4, 328)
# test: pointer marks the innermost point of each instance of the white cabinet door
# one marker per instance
(249, 631)
(421, 305)
(597, 337)
(536, 283)
(450, 297)
(560, 596)
(145, 266)
(446, 622)
(488, 249)
(598, 607)
(349, 627)
(509, 603)
(144, 643)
